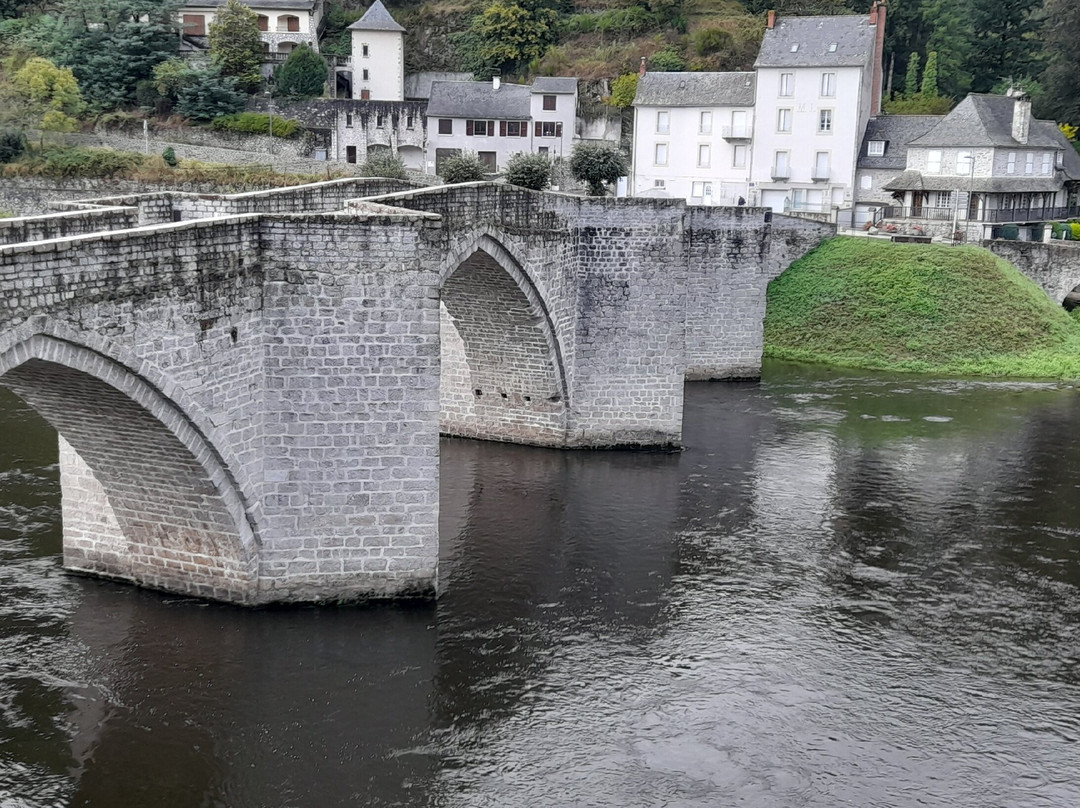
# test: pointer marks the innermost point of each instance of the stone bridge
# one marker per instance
(249, 389)
(1055, 266)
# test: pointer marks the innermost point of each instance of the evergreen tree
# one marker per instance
(1003, 42)
(928, 88)
(1061, 97)
(236, 45)
(950, 37)
(209, 94)
(303, 75)
(911, 79)
(506, 36)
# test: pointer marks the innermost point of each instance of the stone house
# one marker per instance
(498, 120)
(987, 163)
(284, 24)
(882, 157)
(692, 137)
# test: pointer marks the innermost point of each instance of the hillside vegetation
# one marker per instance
(918, 307)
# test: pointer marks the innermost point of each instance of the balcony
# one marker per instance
(737, 134)
(781, 173)
(995, 216)
(819, 175)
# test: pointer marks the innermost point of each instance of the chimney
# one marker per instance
(877, 19)
(496, 82)
(771, 20)
(1021, 120)
(641, 69)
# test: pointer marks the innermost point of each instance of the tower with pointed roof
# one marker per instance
(378, 56)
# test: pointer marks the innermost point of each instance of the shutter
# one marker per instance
(538, 129)
(558, 130)
(524, 131)
(468, 127)
(491, 128)
(502, 128)
(294, 24)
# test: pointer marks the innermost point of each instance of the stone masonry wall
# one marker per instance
(1054, 266)
(58, 225)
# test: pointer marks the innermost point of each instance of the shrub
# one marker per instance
(623, 90)
(384, 164)
(667, 61)
(208, 95)
(1075, 228)
(529, 171)
(169, 156)
(597, 164)
(463, 167)
(711, 40)
(257, 123)
(60, 162)
(12, 145)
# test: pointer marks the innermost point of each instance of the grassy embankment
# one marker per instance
(918, 308)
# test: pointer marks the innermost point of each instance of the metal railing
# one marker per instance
(780, 173)
(807, 207)
(996, 215)
(737, 132)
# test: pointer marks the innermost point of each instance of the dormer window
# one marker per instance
(795, 48)
(832, 47)
(875, 148)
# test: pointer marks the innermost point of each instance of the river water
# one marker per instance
(849, 590)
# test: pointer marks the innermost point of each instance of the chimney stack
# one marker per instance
(877, 19)
(771, 20)
(1021, 120)
(641, 70)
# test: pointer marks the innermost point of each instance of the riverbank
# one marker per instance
(922, 308)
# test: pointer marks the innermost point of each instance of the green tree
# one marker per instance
(928, 88)
(506, 36)
(529, 171)
(303, 75)
(236, 45)
(384, 164)
(597, 164)
(668, 60)
(1004, 42)
(950, 37)
(111, 45)
(462, 167)
(44, 96)
(911, 78)
(1061, 97)
(623, 90)
(209, 94)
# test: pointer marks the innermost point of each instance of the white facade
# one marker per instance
(809, 127)
(282, 27)
(697, 153)
(378, 61)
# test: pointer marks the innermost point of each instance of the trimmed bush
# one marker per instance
(12, 145)
(257, 123)
(597, 164)
(384, 164)
(529, 171)
(463, 167)
(169, 156)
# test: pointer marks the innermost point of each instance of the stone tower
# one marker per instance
(378, 54)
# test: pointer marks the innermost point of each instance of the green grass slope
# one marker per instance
(921, 308)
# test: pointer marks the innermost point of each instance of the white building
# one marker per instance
(692, 135)
(284, 24)
(818, 83)
(498, 120)
(378, 56)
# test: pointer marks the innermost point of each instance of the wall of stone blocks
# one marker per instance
(59, 225)
(1055, 266)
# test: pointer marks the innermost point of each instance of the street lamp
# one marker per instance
(270, 111)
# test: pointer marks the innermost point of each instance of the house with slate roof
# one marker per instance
(692, 134)
(986, 163)
(818, 85)
(283, 24)
(498, 120)
(882, 157)
(378, 56)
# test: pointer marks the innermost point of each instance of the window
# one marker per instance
(866, 182)
(380, 120)
(738, 157)
(941, 199)
(660, 154)
(548, 129)
(704, 155)
(366, 76)
(705, 123)
(739, 126)
(659, 184)
(289, 23)
(479, 128)
(781, 169)
(542, 150)
(701, 189)
(1029, 163)
(489, 161)
(821, 165)
(875, 148)
(933, 161)
(194, 25)
(787, 85)
(446, 126)
(264, 22)
(409, 121)
(1060, 159)
(549, 102)
(663, 122)
(348, 119)
(965, 162)
(1010, 163)
(364, 51)
(828, 85)
(514, 128)
(824, 120)
(1048, 162)
(783, 120)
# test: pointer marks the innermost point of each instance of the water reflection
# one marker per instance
(849, 589)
